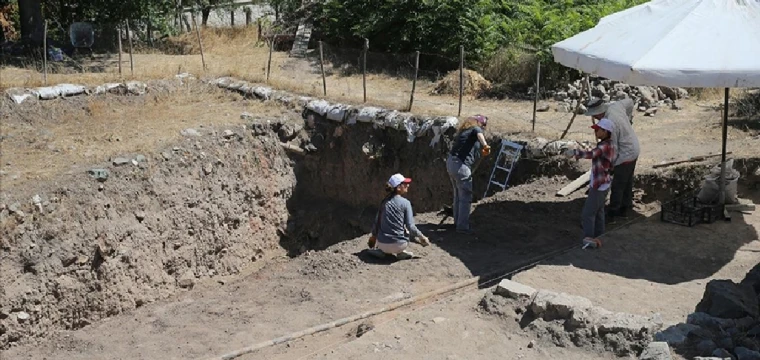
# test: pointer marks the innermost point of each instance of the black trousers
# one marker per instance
(621, 194)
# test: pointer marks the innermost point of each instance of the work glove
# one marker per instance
(424, 241)
(372, 241)
(485, 151)
(570, 153)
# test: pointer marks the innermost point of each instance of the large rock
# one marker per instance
(708, 321)
(514, 290)
(669, 92)
(648, 95)
(550, 305)
(676, 335)
(629, 324)
(728, 300)
(656, 351)
(743, 353)
(752, 279)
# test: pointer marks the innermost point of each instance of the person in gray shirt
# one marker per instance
(395, 222)
(627, 150)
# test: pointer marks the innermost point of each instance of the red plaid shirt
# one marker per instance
(601, 162)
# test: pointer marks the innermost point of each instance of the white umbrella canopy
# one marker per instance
(684, 43)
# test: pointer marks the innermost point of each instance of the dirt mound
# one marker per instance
(474, 84)
(93, 246)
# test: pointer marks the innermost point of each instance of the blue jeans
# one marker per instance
(461, 180)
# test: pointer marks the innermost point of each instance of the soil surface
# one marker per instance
(201, 283)
(638, 264)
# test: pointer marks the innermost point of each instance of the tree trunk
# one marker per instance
(32, 23)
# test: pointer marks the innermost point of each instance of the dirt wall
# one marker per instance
(207, 207)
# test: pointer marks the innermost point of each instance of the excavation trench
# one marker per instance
(213, 205)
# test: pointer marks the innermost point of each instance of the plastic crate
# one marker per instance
(689, 211)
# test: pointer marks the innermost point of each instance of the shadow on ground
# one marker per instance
(512, 234)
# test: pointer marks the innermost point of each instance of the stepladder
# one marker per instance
(506, 159)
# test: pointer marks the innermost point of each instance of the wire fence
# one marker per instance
(421, 82)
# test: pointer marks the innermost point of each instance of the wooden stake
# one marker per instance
(461, 78)
(44, 54)
(269, 62)
(322, 67)
(691, 159)
(535, 99)
(414, 81)
(364, 68)
(118, 29)
(578, 106)
(200, 43)
(131, 61)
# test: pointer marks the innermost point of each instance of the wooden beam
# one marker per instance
(575, 185)
(691, 159)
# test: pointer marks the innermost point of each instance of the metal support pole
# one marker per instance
(722, 187)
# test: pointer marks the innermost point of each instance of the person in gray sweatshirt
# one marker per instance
(394, 222)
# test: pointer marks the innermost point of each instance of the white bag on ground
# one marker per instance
(710, 191)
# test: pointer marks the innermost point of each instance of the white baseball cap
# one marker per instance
(398, 179)
(605, 124)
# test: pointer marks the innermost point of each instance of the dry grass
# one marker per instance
(50, 138)
(89, 130)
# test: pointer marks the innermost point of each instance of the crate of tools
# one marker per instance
(687, 210)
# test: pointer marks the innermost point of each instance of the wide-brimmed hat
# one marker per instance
(595, 106)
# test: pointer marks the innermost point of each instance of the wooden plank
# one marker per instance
(575, 185)
(744, 205)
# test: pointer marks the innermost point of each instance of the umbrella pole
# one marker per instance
(722, 196)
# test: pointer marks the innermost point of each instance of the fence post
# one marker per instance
(200, 43)
(364, 68)
(248, 17)
(232, 17)
(269, 62)
(118, 30)
(258, 30)
(461, 78)
(322, 67)
(131, 61)
(414, 81)
(44, 54)
(535, 99)
(150, 32)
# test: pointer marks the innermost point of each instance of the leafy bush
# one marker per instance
(484, 27)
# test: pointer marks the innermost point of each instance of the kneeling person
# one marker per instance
(395, 221)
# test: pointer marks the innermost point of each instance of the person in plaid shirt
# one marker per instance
(602, 158)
